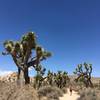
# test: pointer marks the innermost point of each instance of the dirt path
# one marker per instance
(67, 96)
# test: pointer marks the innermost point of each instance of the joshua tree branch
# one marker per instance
(17, 64)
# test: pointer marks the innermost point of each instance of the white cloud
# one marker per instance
(5, 72)
(31, 68)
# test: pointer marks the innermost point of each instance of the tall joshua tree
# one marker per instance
(22, 54)
(83, 72)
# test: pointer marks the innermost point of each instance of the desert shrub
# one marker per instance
(6, 90)
(64, 90)
(99, 85)
(25, 93)
(13, 92)
(51, 92)
(95, 85)
(43, 98)
(88, 94)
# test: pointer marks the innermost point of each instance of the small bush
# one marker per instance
(64, 90)
(88, 94)
(52, 93)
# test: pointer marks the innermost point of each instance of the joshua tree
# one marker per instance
(38, 81)
(39, 78)
(50, 77)
(22, 54)
(59, 79)
(83, 72)
(65, 79)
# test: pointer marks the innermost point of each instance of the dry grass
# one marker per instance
(52, 93)
(64, 90)
(89, 94)
(13, 92)
(10, 91)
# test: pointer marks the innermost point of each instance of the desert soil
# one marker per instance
(67, 96)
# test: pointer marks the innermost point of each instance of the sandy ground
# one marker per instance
(67, 96)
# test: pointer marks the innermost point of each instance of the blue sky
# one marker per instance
(70, 29)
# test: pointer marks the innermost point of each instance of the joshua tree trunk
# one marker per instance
(26, 76)
(18, 76)
(23, 77)
(91, 84)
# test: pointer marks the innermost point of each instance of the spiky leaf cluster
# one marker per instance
(83, 72)
(29, 39)
(60, 79)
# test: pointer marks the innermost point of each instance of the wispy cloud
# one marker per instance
(31, 68)
(5, 72)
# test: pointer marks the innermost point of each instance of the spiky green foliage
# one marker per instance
(50, 77)
(39, 78)
(38, 81)
(21, 52)
(62, 79)
(59, 79)
(83, 72)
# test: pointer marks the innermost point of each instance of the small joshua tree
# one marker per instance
(83, 72)
(22, 54)
(50, 77)
(65, 79)
(59, 79)
(39, 78)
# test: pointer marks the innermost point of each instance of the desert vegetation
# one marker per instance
(89, 94)
(28, 53)
(21, 52)
(83, 71)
